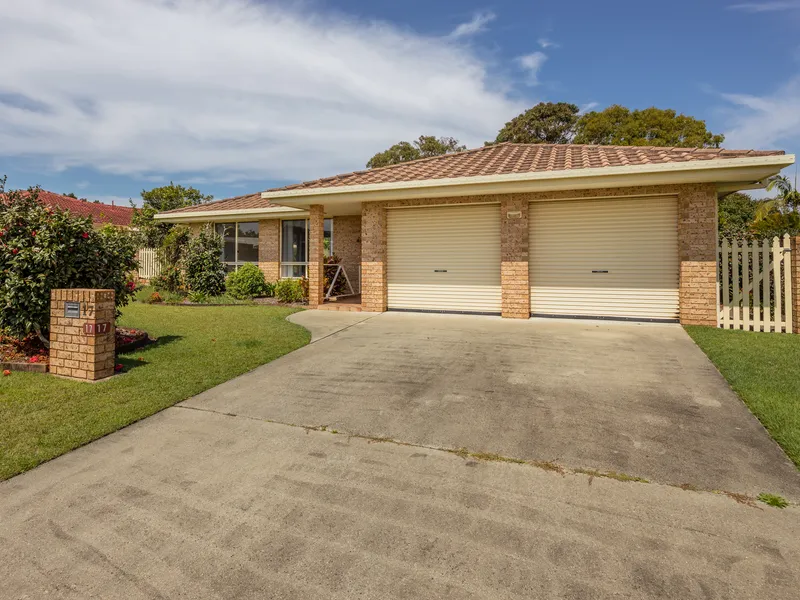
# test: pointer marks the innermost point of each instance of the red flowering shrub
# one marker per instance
(42, 249)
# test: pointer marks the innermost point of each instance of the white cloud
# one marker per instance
(764, 122)
(532, 64)
(589, 106)
(228, 89)
(475, 25)
(756, 7)
(545, 43)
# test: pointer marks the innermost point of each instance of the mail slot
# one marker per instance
(440, 270)
(72, 310)
(599, 271)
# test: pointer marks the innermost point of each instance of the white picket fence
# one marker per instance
(754, 285)
(149, 265)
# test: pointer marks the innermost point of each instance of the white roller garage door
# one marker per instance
(605, 258)
(444, 258)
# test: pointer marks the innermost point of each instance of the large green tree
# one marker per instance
(620, 126)
(736, 214)
(545, 123)
(424, 147)
(160, 199)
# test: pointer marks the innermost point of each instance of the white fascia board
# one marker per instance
(202, 216)
(751, 169)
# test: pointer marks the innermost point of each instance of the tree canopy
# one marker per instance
(620, 126)
(160, 199)
(424, 147)
(545, 123)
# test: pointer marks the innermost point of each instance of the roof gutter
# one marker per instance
(744, 172)
(202, 216)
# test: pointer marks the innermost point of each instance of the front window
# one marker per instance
(239, 243)
(294, 246)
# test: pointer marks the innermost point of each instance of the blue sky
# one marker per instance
(236, 96)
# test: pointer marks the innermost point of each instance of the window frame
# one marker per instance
(236, 263)
(303, 264)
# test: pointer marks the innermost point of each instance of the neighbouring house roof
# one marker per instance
(101, 214)
(508, 158)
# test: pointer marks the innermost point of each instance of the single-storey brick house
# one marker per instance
(511, 229)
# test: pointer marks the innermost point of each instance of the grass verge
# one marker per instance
(42, 416)
(764, 369)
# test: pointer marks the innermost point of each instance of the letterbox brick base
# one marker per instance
(74, 351)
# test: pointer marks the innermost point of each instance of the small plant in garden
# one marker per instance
(269, 289)
(773, 500)
(246, 282)
(42, 248)
(155, 298)
(291, 290)
(204, 272)
(198, 297)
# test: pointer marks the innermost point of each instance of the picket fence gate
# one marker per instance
(149, 265)
(754, 290)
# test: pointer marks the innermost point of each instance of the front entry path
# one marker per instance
(638, 399)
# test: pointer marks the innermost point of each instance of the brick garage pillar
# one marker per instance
(514, 284)
(374, 290)
(697, 249)
(269, 249)
(795, 275)
(82, 347)
(316, 235)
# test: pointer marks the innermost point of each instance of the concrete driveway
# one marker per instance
(201, 502)
(639, 399)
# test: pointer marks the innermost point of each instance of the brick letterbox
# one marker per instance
(82, 333)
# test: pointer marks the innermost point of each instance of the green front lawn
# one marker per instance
(764, 369)
(42, 416)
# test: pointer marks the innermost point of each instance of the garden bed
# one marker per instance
(31, 355)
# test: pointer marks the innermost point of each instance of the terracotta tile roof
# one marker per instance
(100, 213)
(236, 203)
(497, 159)
(509, 158)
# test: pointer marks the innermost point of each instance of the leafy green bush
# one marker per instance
(291, 290)
(171, 254)
(246, 282)
(204, 271)
(42, 248)
(269, 289)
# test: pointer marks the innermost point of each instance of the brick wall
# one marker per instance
(316, 224)
(269, 248)
(347, 245)
(73, 353)
(697, 249)
(515, 287)
(374, 291)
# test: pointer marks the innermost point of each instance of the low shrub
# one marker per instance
(154, 298)
(169, 280)
(198, 297)
(291, 290)
(269, 289)
(246, 282)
